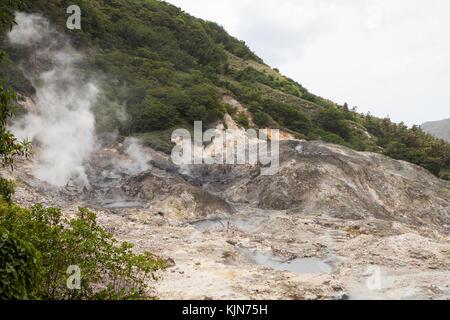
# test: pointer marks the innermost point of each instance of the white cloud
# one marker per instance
(386, 57)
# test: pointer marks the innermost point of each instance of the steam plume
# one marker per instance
(62, 124)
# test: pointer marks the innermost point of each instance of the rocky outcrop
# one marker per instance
(321, 179)
(314, 179)
(173, 196)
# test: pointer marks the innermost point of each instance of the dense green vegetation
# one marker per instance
(168, 69)
(19, 267)
(164, 60)
(37, 245)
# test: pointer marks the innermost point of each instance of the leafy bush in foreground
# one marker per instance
(6, 189)
(19, 267)
(108, 270)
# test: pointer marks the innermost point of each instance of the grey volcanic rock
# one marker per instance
(170, 194)
(316, 178)
(327, 203)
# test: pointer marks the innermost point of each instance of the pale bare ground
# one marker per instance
(367, 212)
(208, 264)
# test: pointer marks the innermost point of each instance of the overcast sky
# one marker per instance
(387, 57)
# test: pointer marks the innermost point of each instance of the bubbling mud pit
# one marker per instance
(123, 204)
(266, 259)
(299, 265)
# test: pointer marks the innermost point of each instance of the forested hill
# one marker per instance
(168, 69)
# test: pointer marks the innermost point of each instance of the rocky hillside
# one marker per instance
(310, 232)
(165, 69)
(439, 129)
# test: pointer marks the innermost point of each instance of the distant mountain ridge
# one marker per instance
(439, 129)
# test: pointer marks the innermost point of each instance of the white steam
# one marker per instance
(139, 160)
(62, 124)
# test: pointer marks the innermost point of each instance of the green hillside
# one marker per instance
(169, 69)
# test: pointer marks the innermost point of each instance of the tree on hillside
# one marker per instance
(332, 120)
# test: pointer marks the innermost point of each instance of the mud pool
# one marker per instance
(299, 265)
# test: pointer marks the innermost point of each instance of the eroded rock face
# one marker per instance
(315, 178)
(319, 179)
(171, 195)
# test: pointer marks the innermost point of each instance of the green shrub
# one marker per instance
(6, 189)
(261, 119)
(242, 119)
(289, 116)
(9, 146)
(330, 137)
(231, 110)
(158, 140)
(434, 165)
(109, 270)
(400, 151)
(332, 120)
(153, 115)
(20, 268)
